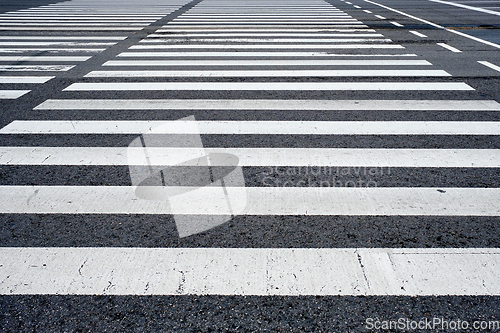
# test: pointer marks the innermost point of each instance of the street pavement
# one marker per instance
(247, 166)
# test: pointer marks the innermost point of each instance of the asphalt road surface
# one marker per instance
(250, 166)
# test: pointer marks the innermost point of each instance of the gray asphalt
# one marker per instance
(43, 313)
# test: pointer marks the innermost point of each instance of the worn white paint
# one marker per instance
(255, 127)
(370, 157)
(270, 86)
(238, 271)
(249, 104)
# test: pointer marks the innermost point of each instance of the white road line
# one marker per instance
(12, 94)
(380, 17)
(250, 104)
(266, 62)
(265, 46)
(271, 73)
(35, 68)
(418, 34)
(290, 29)
(51, 50)
(249, 271)
(14, 18)
(70, 28)
(326, 14)
(467, 7)
(324, 201)
(260, 54)
(57, 43)
(269, 86)
(364, 157)
(45, 58)
(448, 47)
(356, 6)
(280, 18)
(63, 37)
(268, 25)
(266, 34)
(435, 25)
(342, 20)
(25, 79)
(397, 24)
(37, 21)
(311, 16)
(490, 65)
(255, 127)
(69, 23)
(267, 40)
(367, 11)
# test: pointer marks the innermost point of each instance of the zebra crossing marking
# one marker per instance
(270, 86)
(277, 201)
(25, 79)
(264, 104)
(45, 58)
(36, 68)
(271, 40)
(262, 54)
(349, 157)
(12, 94)
(268, 62)
(271, 73)
(414, 272)
(265, 46)
(255, 127)
(238, 271)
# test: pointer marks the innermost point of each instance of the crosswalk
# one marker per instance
(77, 29)
(322, 113)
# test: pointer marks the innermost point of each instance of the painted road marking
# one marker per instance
(266, 34)
(435, 25)
(467, 7)
(35, 68)
(254, 127)
(70, 28)
(451, 48)
(51, 50)
(272, 73)
(418, 34)
(244, 104)
(397, 24)
(299, 29)
(63, 37)
(238, 271)
(269, 86)
(270, 40)
(290, 201)
(268, 46)
(262, 54)
(267, 26)
(369, 157)
(490, 65)
(12, 94)
(380, 17)
(55, 43)
(25, 79)
(44, 58)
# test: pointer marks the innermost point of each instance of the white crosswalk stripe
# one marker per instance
(287, 50)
